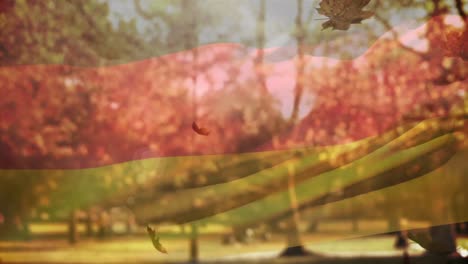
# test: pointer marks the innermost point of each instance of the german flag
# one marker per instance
(233, 112)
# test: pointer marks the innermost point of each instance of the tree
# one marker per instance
(294, 243)
(45, 105)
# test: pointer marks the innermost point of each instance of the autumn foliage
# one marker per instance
(59, 116)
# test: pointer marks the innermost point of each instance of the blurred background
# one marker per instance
(337, 131)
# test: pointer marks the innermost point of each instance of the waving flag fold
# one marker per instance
(117, 130)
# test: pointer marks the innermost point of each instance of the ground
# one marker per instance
(138, 249)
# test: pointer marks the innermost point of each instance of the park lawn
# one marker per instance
(140, 250)
(131, 250)
(329, 240)
(327, 227)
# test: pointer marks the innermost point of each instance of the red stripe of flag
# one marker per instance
(58, 116)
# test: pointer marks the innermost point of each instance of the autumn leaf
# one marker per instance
(155, 240)
(343, 13)
(200, 130)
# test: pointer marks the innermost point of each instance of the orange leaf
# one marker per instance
(200, 130)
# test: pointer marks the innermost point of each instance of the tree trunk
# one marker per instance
(26, 231)
(89, 225)
(72, 228)
(261, 47)
(130, 223)
(300, 66)
(103, 225)
(445, 235)
(401, 240)
(194, 244)
(9, 228)
(15, 224)
(438, 239)
(443, 240)
(294, 243)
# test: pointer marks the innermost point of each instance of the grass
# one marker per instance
(325, 227)
(140, 250)
(125, 250)
(330, 240)
(332, 237)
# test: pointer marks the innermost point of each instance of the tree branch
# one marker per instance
(461, 12)
(298, 90)
(261, 47)
(148, 15)
(396, 37)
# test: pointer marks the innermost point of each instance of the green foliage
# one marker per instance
(74, 32)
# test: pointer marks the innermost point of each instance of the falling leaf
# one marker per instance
(155, 240)
(343, 13)
(200, 130)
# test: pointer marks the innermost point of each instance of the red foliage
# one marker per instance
(6, 5)
(69, 117)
